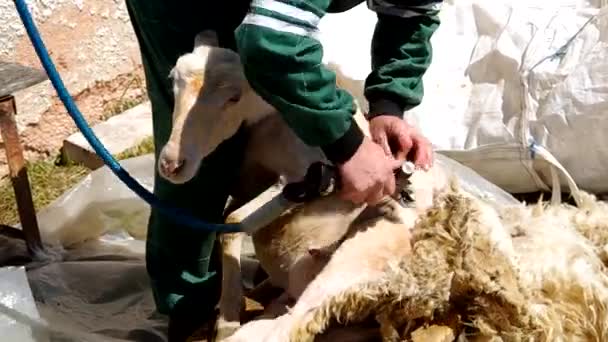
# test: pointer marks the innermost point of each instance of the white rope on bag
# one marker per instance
(555, 168)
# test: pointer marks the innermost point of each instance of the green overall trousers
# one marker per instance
(181, 263)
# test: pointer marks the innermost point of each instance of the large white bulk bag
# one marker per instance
(517, 89)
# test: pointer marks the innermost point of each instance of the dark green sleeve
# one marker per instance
(401, 54)
(282, 60)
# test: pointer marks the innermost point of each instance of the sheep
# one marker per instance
(474, 272)
(212, 100)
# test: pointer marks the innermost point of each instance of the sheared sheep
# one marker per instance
(477, 271)
(212, 100)
(482, 273)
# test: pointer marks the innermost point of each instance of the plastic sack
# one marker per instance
(98, 204)
(473, 183)
(516, 90)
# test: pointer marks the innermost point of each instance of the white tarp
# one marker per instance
(513, 84)
(16, 294)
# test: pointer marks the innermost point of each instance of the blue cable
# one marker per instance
(176, 214)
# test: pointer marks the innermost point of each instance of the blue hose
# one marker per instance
(178, 215)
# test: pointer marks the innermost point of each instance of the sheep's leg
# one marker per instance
(252, 181)
(231, 299)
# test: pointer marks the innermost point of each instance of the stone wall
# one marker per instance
(96, 53)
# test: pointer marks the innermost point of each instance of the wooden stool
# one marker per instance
(15, 77)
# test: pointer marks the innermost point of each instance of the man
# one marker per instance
(282, 60)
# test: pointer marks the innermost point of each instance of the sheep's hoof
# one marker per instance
(224, 329)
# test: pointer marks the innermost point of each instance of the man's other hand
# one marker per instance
(401, 141)
(368, 175)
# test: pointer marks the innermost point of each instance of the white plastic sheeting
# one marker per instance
(15, 293)
(92, 284)
(517, 89)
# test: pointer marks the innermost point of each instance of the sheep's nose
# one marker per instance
(171, 167)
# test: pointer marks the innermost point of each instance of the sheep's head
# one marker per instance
(212, 100)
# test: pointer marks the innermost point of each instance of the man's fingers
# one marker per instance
(422, 153)
(396, 163)
(381, 139)
(404, 145)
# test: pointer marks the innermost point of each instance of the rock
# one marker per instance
(119, 133)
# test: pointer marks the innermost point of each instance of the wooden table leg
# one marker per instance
(18, 174)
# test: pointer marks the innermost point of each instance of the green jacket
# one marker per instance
(282, 58)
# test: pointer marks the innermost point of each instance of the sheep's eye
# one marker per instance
(235, 98)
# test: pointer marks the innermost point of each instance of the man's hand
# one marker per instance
(401, 141)
(368, 175)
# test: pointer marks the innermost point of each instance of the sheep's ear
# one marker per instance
(206, 38)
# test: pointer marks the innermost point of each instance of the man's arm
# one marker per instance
(401, 54)
(282, 59)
